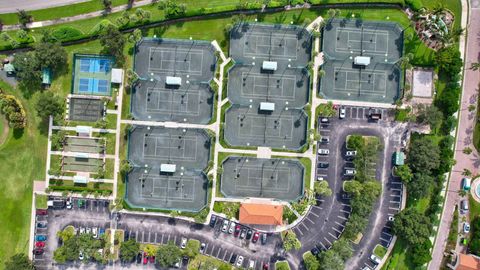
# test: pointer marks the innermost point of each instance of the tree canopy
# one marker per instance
(128, 250)
(168, 255)
(290, 241)
(412, 226)
(113, 42)
(47, 104)
(424, 155)
(19, 261)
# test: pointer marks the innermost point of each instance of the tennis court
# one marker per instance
(155, 101)
(192, 60)
(86, 109)
(81, 164)
(84, 145)
(150, 188)
(285, 129)
(380, 44)
(92, 75)
(153, 146)
(246, 177)
(288, 44)
(249, 85)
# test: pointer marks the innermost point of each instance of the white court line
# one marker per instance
(154, 196)
(254, 124)
(254, 37)
(168, 155)
(256, 85)
(365, 31)
(189, 52)
(160, 100)
(372, 92)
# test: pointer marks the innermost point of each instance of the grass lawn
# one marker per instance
(398, 259)
(282, 265)
(205, 260)
(41, 201)
(474, 207)
(380, 251)
(22, 160)
(230, 209)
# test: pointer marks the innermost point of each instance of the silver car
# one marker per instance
(342, 112)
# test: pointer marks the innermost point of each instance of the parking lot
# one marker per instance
(331, 213)
(90, 213)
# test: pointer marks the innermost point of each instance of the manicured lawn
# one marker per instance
(204, 260)
(283, 265)
(41, 201)
(380, 251)
(22, 160)
(230, 209)
(398, 259)
(474, 207)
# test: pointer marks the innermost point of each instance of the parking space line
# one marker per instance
(332, 235)
(342, 217)
(339, 224)
(304, 226)
(300, 231)
(383, 239)
(323, 246)
(218, 252)
(388, 234)
(311, 212)
(336, 230)
(175, 239)
(393, 208)
(224, 255)
(344, 211)
(347, 205)
(326, 239)
(168, 238)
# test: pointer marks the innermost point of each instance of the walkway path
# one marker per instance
(13, 6)
(465, 130)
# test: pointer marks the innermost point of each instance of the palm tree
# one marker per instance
(404, 62)
(475, 66)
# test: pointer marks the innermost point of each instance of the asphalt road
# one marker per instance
(13, 6)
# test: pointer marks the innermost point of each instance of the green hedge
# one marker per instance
(415, 4)
(67, 33)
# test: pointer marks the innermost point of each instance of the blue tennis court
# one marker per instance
(92, 74)
(93, 65)
(94, 86)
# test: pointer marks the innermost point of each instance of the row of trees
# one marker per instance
(364, 190)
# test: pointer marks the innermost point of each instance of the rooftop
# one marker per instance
(261, 214)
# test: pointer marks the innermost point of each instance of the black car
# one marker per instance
(106, 203)
(264, 238)
(233, 259)
(323, 164)
(95, 203)
(133, 236)
(139, 257)
(249, 234)
(213, 220)
(315, 251)
(41, 225)
(126, 236)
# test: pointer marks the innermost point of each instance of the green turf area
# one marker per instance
(61, 11)
(282, 265)
(474, 207)
(200, 260)
(230, 209)
(22, 160)
(41, 201)
(398, 259)
(380, 251)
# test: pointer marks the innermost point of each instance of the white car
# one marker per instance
(322, 151)
(202, 248)
(95, 232)
(251, 264)
(320, 178)
(342, 112)
(80, 256)
(184, 243)
(88, 230)
(225, 226)
(324, 120)
(232, 227)
(350, 153)
(82, 230)
(350, 172)
(375, 259)
(466, 227)
(239, 261)
(69, 203)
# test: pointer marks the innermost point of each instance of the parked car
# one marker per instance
(323, 165)
(202, 247)
(350, 153)
(152, 259)
(213, 220)
(41, 225)
(95, 232)
(251, 264)
(38, 251)
(324, 120)
(88, 230)
(82, 230)
(80, 256)
(237, 230)
(243, 233)
(315, 251)
(139, 257)
(375, 259)
(183, 244)
(69, 203)
(350, 172)
(464, 206)
(145, 258)
(232, 227)
(233, 258)
(249, 234)
(342, 112)
(264, 238)
(126, 236)
(41, 212)
(324, 140)
(466, 227)
(239, 261)
(265, 266)
(256, 235)
(322, 151)
(225, 226)
(101, 231)
(41, 238)
(40, 244)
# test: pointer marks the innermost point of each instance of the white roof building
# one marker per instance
(168, 168)
(269, 65)
(117, 75)
(173, 80)
(267, 106)
(362, 60)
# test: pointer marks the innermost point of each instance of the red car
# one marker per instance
(145, 258)
(255, 237)
(42, 212)
(40, 244)
(237, 230)
(152, 259)
(265, 266)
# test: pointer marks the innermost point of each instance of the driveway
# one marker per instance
(12, 6)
